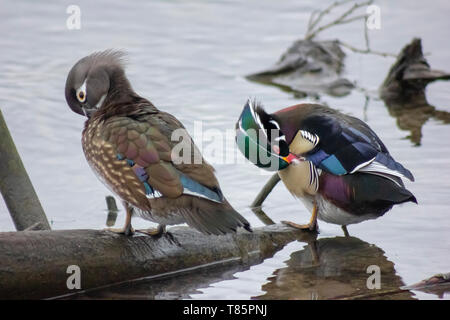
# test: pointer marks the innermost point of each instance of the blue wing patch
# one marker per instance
(143, 177)
(148, 188)
(194, 188)
(191, 187)
(317, 157)
(333, 165)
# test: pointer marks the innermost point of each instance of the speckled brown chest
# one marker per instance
(116, 174)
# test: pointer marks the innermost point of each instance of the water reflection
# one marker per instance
(169, 288)
(328, 268)
(413, 119)
(334, 268)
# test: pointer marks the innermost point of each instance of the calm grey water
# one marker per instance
(190, 58)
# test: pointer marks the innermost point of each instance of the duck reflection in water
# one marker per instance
(335, 268)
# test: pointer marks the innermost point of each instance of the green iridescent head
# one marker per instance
(259, 138)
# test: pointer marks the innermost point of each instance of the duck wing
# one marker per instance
(141, 149)
(347, 145)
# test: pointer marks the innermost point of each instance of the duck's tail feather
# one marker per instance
(211, 218)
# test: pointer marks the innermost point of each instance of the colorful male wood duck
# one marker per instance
(333, 162)
(127, 142)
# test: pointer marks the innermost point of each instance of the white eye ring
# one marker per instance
(81, 92)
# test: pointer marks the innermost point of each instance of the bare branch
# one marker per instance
(322, 14)
(310, 21)
(367, 50)
(366, 34)
(340, 20)
(362, 16)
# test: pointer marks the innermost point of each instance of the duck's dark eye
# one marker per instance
(284, 148)
(81, 96)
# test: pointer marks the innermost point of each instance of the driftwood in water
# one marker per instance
(311, 67)
(15, 186)
(307, 68)
(34, 264)
(404, 86)
(403, 91)
(438, 284)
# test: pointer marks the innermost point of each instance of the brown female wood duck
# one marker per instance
(127, 142)
(333, 162)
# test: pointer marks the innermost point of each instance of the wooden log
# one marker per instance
(15, 186)
(35, 264)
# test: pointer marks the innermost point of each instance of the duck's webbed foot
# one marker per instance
(159, 232)
(309, 226)
(154, 232)
(128, 231)
(312, 225)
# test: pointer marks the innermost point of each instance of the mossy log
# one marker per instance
(16, 188)
(34, 264)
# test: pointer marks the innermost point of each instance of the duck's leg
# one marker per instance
(127, 229)
(312, 225)
(344, 228)
(154, 232)
(314, 254)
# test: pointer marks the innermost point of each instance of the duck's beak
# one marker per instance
(290, 158)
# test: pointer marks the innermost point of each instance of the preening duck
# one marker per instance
(334, 163)
(128, 143)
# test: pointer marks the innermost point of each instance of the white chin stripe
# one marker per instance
(100, 102)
